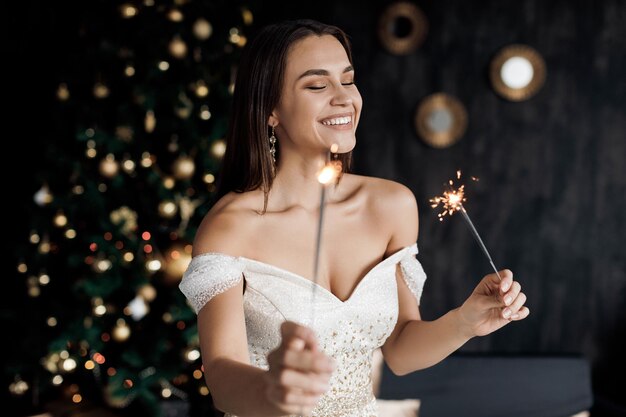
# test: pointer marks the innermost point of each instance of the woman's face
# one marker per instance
(320, 105)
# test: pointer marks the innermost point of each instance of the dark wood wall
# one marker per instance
(551, 200)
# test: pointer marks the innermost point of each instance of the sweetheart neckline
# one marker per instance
(310, 281)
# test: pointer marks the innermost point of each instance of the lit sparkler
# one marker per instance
(452, 201)
(328, 175)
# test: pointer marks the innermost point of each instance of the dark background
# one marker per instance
(551, 199)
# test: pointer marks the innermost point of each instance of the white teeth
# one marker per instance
(337, 121)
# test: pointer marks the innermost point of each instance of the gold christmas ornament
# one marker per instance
(129, 166)
(177, 260)
(187, 208)
(121, 331)
(60, 220)
(202, 90)
(247, 16)
(178, 48)
(148, 292)
(183, 168)
(147, 159)
(218, 148)
(173, 145)
(169, 182)
(150, 121)
(175, 15)
(63, 93)
(18, 386)
(43, 196)
(191, 354)
(202, 29)
(126, 217)
(100, 90)
(44, 245)
(128, 11)
(109, 167)
(102, 265)
(205, 113)
(124, 133)
(184, 106)
(129, 71)
(167, 209)
(164, 66)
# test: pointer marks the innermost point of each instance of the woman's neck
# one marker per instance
(296, 184)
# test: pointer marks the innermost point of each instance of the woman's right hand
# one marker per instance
(299, 372)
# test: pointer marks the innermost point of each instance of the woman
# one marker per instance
(250, 277)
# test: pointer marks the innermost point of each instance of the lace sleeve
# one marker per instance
(208, 275)
(413, 273)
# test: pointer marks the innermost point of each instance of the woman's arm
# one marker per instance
(417, 344)
(298, 373)
(235, 385)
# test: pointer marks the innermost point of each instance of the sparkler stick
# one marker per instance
(327, 175)
(452, 201)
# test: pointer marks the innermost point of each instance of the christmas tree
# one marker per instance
(141, 104)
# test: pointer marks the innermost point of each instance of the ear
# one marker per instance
(273, 119)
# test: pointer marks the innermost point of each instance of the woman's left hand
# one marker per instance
(493, 304)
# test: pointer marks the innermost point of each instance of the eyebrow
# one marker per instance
(323, 72)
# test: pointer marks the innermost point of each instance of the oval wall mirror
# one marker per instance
(517, 72)
(402, 28)
(441, 120)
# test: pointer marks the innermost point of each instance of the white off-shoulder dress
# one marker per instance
(349, 331)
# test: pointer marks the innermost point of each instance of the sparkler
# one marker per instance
(329, 174)
(452, 201)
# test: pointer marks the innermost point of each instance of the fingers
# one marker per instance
(521, 314)
(307, 361)
(514, 300)
(292, 401)
(311, 384)
(506, 281)
(509, 297)
(301, 360)
(290, 330)
(515, 307)
(299, 373)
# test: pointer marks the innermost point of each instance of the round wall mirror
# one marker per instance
(441, 120)
(402, 28)
(517, 72)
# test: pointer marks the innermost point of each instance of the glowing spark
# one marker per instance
(452, 201)
(331, 170)
(327, 174)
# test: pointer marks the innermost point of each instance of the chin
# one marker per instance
(346, 144)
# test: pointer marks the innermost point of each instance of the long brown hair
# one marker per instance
(247, 163)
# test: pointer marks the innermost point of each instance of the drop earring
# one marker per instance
(273, 146)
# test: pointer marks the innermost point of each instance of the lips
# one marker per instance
(338, 121)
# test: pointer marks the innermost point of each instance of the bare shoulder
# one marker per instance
(225, 226)
(389, 196)
(395, 206)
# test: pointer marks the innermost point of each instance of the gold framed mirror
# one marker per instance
(402, 28)
(440, 120)
(517, 72)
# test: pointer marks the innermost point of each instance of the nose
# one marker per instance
(341, 98)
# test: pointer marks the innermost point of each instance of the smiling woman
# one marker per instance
(255, 252)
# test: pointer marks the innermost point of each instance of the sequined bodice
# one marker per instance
(349, 331)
